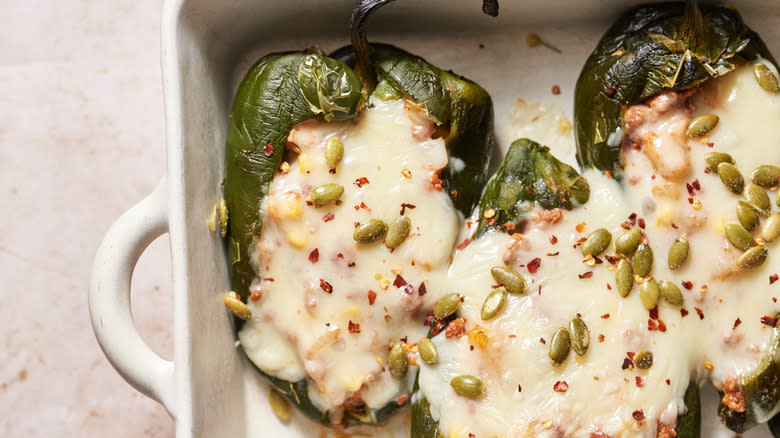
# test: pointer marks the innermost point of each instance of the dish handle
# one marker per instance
(109, 298)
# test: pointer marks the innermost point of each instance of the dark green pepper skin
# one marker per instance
(652, 49)
(774, 426)
(451, 101)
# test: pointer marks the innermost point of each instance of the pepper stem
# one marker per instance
(363, 68)
(692, 26)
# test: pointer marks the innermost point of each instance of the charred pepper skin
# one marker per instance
(649, 50)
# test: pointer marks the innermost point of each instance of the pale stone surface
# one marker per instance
(81, 140)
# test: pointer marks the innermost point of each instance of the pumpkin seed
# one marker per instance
(334, 152)
(643, 260)
(649, 293)
(224, 216)
(678, 253)
(580, 336)
(731, 177)
(326, 193)
(757, 197)
(766, 176)
(714, 158)
(771, 229)
(560, 346)
(624, 277)
(753, 257)
(493, 303)
(397, 232)
(739, 236)
(511, 280)
(596, 242)
(643, 359)
(702, 125)
(370, 231)
(446, 305)
(747, 215)
(279, 404)
(671, 293)
(237, 307)
(467, 385)
(766, 78)
(627, 242)
(427, 351)
(398, 362)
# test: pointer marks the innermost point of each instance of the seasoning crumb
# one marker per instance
(556, 90)
(601, 337)
(406, 173)
(708, 365)
(384, 284)
(353, 327)
(580, 227)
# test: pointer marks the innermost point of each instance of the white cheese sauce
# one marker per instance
(716, 335)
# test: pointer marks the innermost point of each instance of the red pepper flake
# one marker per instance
(328, 217)
(268, 279)
(699, 312)
(268, 149)
(687, 284)
(360, 182)
(773, 278)
(601, 337)
(256, 295)
(364, 206)
(609, 90)
(696, 185)
(471, 435)
(464, 244)
(371, 297)
(351, 263)
(609, 286)
(519, 388)
(654, 312)
(710, 144)
(404, 206)
(422, 290)
(587, 274)
(608, 173)
(638, 415)
(540, 289)
(408, 289)
(542, 341)
(737, 322)
(612, 260)
(353, 327)
(690, 200)
(534, 265)
(639, 382)
(683, 313)
(399, 281)
(561, 386)
(641, 222)
(314, 255)
(628, 364)
(771, 321)
(689, 187)
(661, 325)
(553, 239)
(605, 316)
(707, 170)
(668, 382)
(324, 285)
(652, 325)
(553, 254)
(674, 225)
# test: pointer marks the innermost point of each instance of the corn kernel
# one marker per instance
(296, 236)
(664, 217)
(304, 163)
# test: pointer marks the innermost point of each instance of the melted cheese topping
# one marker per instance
(328, 308)
(716, 335)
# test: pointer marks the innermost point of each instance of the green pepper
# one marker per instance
(649, 50)
(284, 89)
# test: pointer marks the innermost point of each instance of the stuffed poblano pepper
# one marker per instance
(680, 104)
(345, 178)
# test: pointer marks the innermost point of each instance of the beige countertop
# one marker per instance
(81, 140)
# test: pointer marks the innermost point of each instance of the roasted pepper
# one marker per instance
(649, 50)
(284, 89)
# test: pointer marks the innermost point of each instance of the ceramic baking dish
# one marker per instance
(207, 45)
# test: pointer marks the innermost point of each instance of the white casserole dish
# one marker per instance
(207, 45)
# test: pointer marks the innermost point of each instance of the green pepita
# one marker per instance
(766, 78)
(397, 232)
(747, 215)
(643, 260)
(513, 282)
(702, 125)
(643, 359)
(753, 257)
(493, 303)
(237, 307)
(560, 344)
(224, 216)
(446, 305)
(398, 362)
(326, 193)
(713, 159)
(467, 385)
(624, 277)
(739, 236)
(766, 176)
(771, 229)
(627, 242)
(757, 197)
(670, 293)
(580, 336)
(279, 404)
(678, 253)
(334, 152)
(427, 351)
(649, 293)
(731, 177)
(597, 242)
(370, 231)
